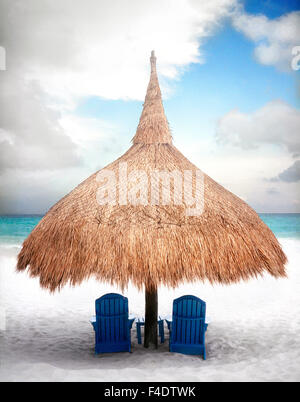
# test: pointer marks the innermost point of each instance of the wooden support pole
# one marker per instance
(151, 307)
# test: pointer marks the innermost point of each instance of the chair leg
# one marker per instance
(161, 332)
(138, 332)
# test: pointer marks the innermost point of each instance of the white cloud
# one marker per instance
(31, 136)
(34, 191)
(254, 147)
(92, 47)
(274, 38)
(98, 142)
(243, 171)
(289, 175)
(276, 123)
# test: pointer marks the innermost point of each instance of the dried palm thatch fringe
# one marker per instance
(150, 245)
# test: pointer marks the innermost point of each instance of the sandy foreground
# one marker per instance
(254, 334)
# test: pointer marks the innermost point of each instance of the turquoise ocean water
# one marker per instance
(14, 229)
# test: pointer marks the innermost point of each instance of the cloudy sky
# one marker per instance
(76, 73)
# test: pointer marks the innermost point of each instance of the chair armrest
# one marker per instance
(93, 321)
(130, 322)
(169, 324)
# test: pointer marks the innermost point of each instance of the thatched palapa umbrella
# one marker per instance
(120, 225)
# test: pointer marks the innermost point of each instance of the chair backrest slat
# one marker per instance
(188, 323)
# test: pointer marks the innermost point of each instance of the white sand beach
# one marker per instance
(253, 336)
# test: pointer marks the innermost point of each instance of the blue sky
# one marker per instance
(230, 95)
(271, 8)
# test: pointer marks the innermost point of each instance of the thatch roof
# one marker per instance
(144, 243)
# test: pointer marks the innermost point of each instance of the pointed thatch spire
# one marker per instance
(153, 126)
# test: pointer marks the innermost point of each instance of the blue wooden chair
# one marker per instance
(112, 326)
(187, 330)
